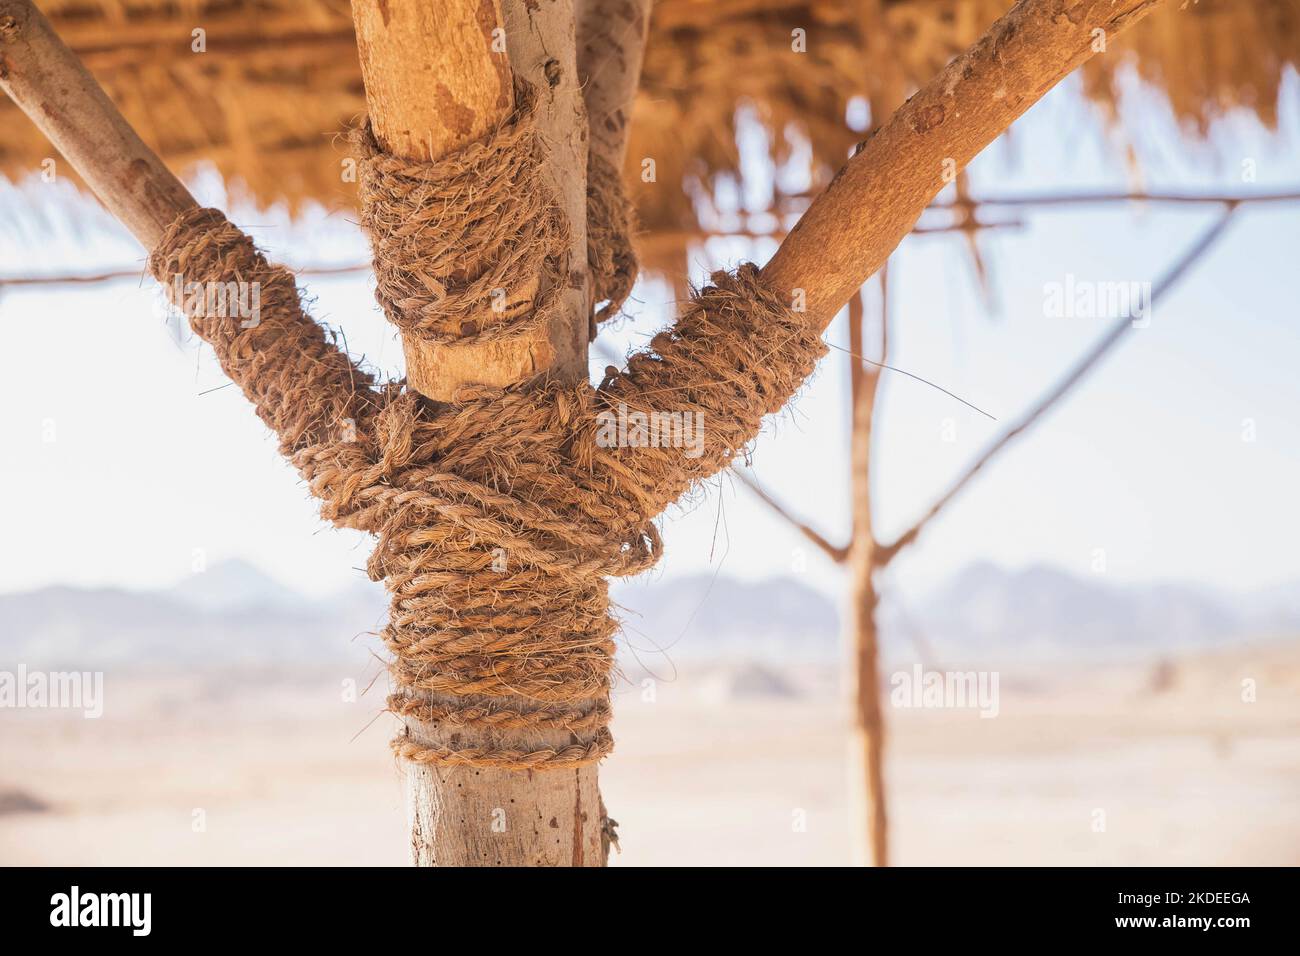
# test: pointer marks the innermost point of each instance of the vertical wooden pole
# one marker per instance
(612, 46)
(868, 744)
(868, 748)
(541, 35)
(437, 77)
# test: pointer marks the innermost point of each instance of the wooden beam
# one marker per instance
(53, 88)
(871, 806)
(312, 49)
(1118, 331)
(156, 32)
(99, 278)
(875, 200)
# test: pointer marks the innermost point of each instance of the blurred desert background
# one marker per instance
(1128, 570)
(1122, 736)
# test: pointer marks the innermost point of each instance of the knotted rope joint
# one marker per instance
(500, 514)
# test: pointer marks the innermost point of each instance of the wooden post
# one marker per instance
(431, 88)
(868, 745)
(610, 50)
(869, 727)
(542, 43)
(437, 77)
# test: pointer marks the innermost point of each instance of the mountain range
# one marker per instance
(234, 614)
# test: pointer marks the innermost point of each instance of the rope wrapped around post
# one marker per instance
(611, 220)
(452, 237)
(500, 514)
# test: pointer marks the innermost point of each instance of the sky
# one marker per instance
(127, 463)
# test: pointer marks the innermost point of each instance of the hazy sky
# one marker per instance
(125, 462)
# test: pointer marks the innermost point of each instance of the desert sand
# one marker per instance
(721, 764)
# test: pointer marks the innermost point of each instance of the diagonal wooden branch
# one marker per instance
(54, 89)
(1059, 391)
(875, 200)
(836, 553)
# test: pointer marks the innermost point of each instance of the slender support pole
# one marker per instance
(837, 553)
(542, 38)
(868, 747)
(51, 86)
(611, 46)
(1119, 331)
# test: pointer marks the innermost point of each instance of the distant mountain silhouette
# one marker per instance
(1043, 610)
(717, 616)
(235, 585)
(234, 614)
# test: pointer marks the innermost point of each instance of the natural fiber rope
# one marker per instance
(523, 647)
(459, 243)
(610, 224)
(303, 387)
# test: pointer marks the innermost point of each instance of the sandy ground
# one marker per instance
(1079, 767)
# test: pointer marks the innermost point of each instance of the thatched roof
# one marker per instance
(703, 57)
(280, 78)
